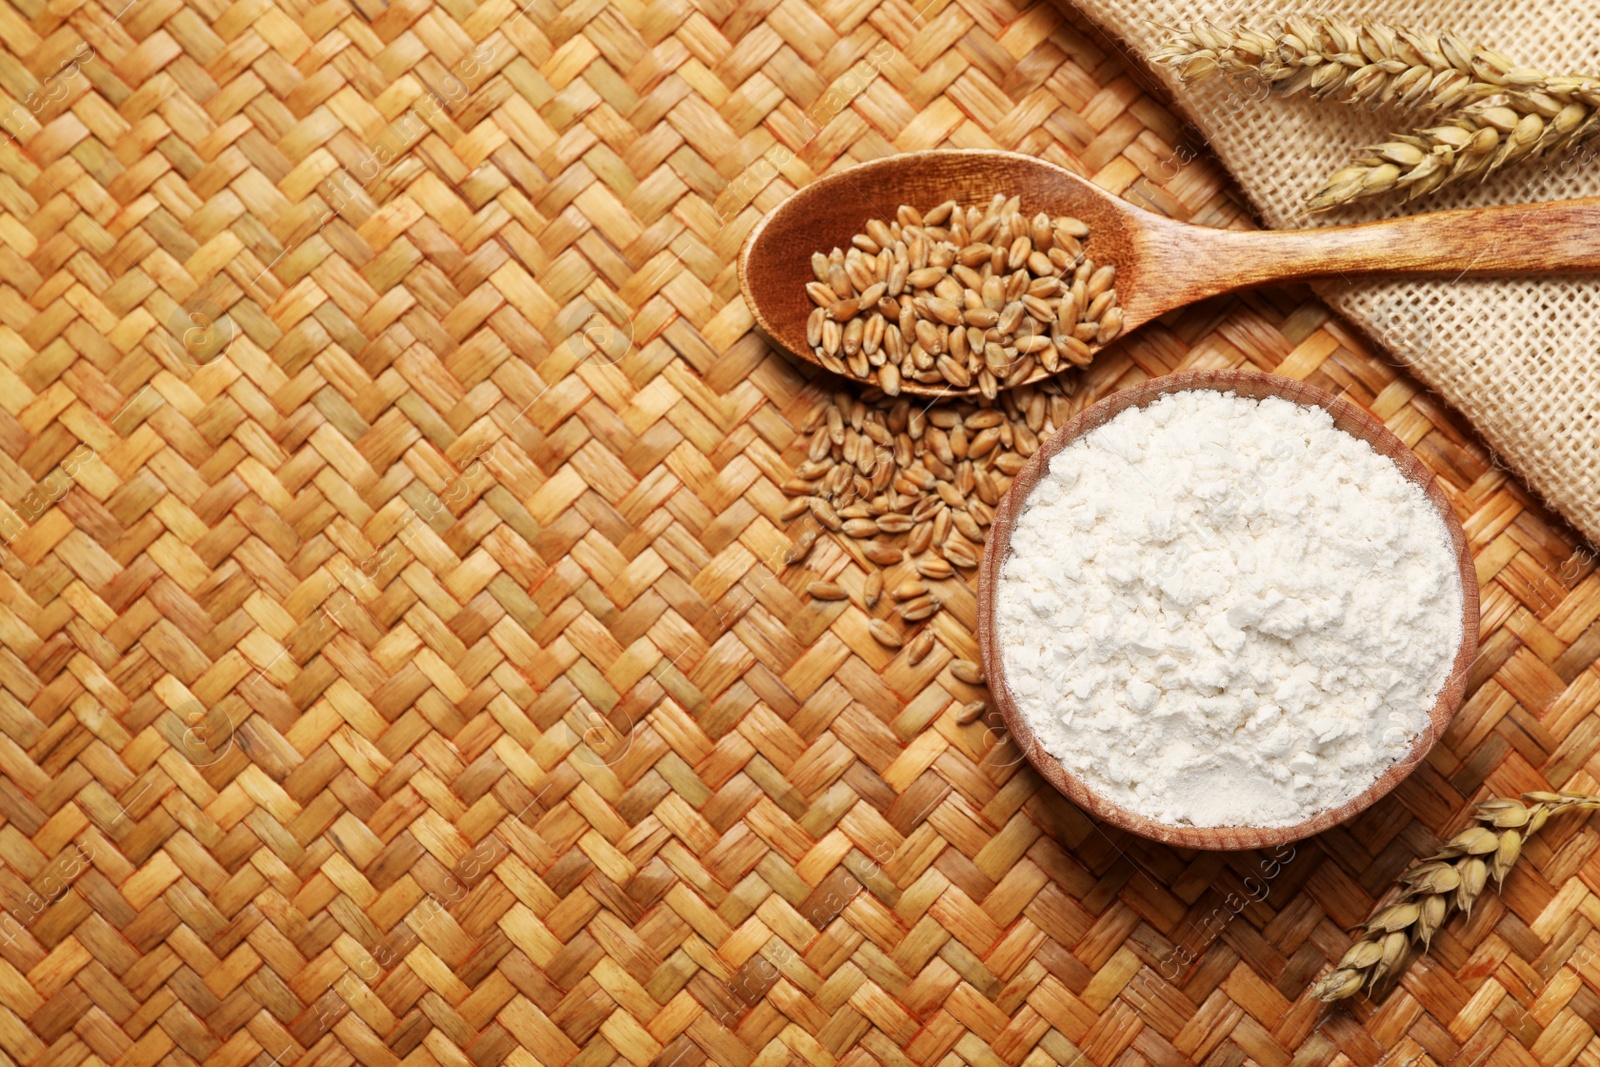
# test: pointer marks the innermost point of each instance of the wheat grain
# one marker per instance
(917, 610)
(885, 634)
(967, 671)
(801, 547)
(1452, 878)
(883, 555)
(972, 712)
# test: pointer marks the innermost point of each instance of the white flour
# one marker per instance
(1218, 611)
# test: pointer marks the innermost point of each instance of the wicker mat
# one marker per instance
(394, 671)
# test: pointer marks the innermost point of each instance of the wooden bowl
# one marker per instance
(775, 263)
(1347, 417)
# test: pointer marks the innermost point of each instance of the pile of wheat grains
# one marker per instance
(985, 298)
(916, 483)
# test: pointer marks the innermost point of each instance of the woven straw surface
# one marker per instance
(393, 669)
(1520, 357)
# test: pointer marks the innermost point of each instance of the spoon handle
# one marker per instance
(1551, 238)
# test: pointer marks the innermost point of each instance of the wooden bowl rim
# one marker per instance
(1257, 385)
(897, 161)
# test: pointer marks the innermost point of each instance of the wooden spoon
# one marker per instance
(1161, 264)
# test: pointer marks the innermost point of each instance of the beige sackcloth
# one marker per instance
(1520, 357)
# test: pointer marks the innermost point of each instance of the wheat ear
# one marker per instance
(1470, 144)
(1454, 877)
(1355, 62)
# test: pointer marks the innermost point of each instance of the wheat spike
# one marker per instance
(1454, 877)
(1470, 144)
(1354, 62)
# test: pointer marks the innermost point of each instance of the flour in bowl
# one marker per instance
(1218, 611)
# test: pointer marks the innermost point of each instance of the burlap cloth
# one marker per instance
(1517, 356)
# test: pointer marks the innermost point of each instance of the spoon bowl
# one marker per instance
(1161, 264)
(775, 263)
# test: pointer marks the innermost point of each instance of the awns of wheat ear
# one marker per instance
(1452, 878)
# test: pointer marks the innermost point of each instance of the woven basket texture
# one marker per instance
(1520, 357)
(395, 665)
